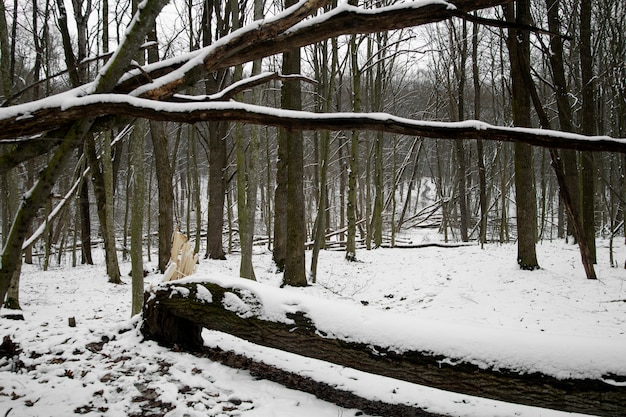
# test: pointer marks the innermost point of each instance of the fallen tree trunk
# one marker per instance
(176, 313)
(320, 389)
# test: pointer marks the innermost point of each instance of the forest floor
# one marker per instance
(102, 367)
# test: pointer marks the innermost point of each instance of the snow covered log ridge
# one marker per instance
(565, 373)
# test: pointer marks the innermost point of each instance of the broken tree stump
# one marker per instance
(175, 313)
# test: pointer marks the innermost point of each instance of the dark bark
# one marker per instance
(302, 383)
(462, 183)
(570, 166)
(291, 98)
(216, 142)
(459, 145)
(279, 253)
(218, 159)
(164, 175)
(588, 173)
(10, 127)
(174, 319)
(5, 51)
(99, 190)
(85, 224)
(77, 78)
(567, 198)
(518, 43)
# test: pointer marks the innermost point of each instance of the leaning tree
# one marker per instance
(58, 124)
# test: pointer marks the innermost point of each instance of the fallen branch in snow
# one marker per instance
(175, 313)
(429, 245)
(321, 390)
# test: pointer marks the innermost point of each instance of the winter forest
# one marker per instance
(287, 142)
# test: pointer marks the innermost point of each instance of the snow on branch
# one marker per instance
(116, 104)
(288, 31)
(240, 86)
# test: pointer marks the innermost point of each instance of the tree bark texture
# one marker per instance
(102, 177)
(295, 120)
(321, 390)
(137, 214)
(291, 98)
(279, 251)
(588, 171)
(174, 315)
(570, 165)
(525, 194)
(217, 189)
(164, 174)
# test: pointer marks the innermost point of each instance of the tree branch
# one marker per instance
(262, 39)
(241, 86)
(112, 105)
(504, 24)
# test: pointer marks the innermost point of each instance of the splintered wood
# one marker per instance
(182, 260)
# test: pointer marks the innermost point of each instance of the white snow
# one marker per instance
(469, 303)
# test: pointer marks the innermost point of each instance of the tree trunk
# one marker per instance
(85, 224)
(10, 206)
(295, 272)
(110, 243)
(588, 127)
(250, 181)
(351, 200)
(244, 175)
(137, 215)
(175, 315)
(5, 52)
(164, 176)
(377, 214)
(326, 75)
(571, 206)
(480, 153)
(217, 189)
(351, 216)
(101, 173)
(321, 389)
(570, 164)
(525, 195)
(459, 145)
(279, 252)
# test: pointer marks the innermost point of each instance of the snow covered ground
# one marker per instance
(102, 368)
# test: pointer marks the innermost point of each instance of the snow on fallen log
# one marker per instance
(568, 373)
